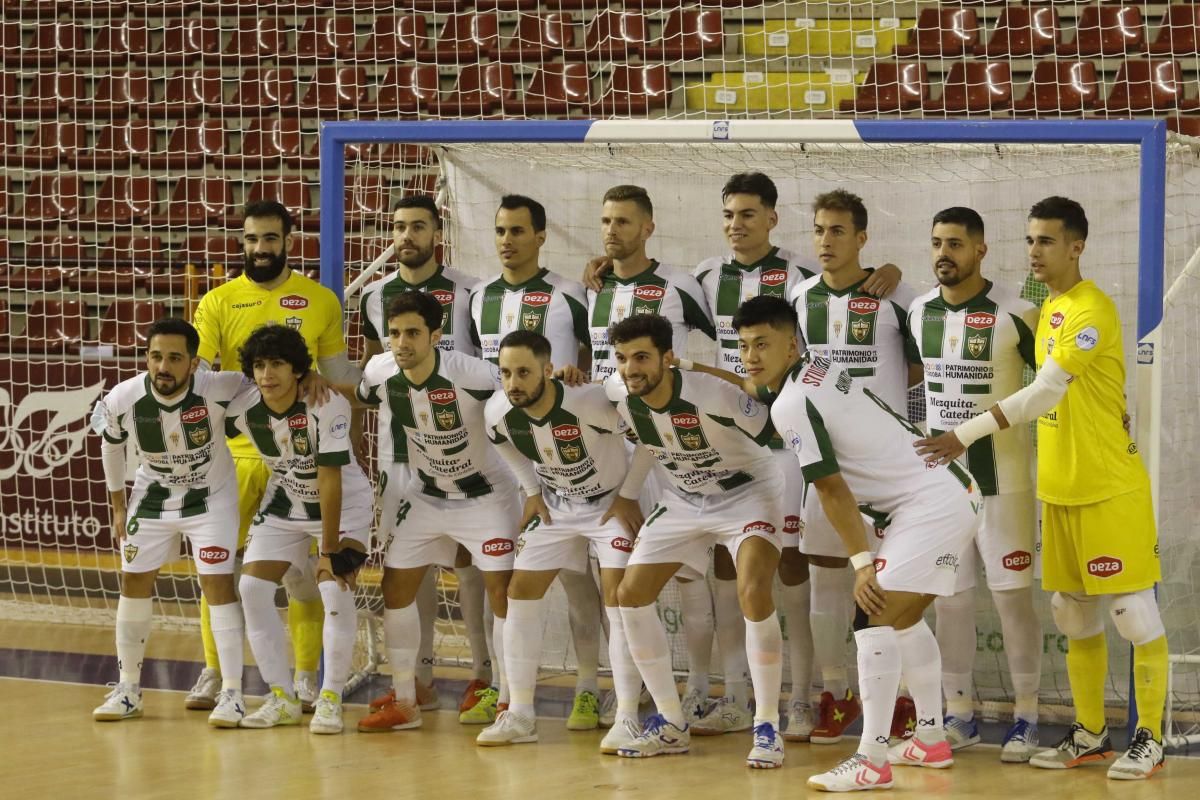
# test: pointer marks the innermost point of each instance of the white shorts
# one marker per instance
(389, 491)
(1006, 544)
(793, 497)
(680, 530)
(151, 543)
(276, 539)
(820, 538)
(574, 528)
(427, 530)
(923, 545)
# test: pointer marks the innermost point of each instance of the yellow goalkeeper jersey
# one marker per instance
(1084, 455)
(228, 314)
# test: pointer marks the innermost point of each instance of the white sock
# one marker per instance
(795, 601)
(134, 615)
(501, 674)
(648, 646)
(584, 611)
(921, 665)
(731, 634)
(401, 629)
(338, 633)
(472, 601)
(696, 605)
(627, 682)
(229, 633)
(427, 608)
(764, 651)
(1023, 643)
(522, 650)
(832, 611)
(956, 640)
(878, 680)
(264, 629)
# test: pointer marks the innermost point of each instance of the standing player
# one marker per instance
(459, 492)
(184, 486)
(1099, 544)
(526, 296)
(975, 340)
(720, 486)
(316, 491)
(565, 445)
(268, 290)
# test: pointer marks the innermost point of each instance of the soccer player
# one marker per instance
(720, 486)
(526, 296)
(316, 491)
(565, 445)
(847, 324)
(975, 339)
(459, 491)
(857, 456)
(268, 290)
(1099, 543)
(416, 235)
(185, 486)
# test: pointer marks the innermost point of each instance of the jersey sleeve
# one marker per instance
(475, 376)
(235, 419)
(1026, 324)
(733, 407)
(107, 421)
(331, 341)
(333, 432)
(493, 418)
(602, 415)
(368, 386)
(364, 313)
(207, 321)
(803, 429)
(475, 303)
(1084, 330)
(576, 297)
(695, 309)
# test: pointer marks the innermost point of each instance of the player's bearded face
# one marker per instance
(264, 267)
(956, 256)
(624, 227)
(410, 341)
(415, 236)
(524, 396)
(169, 365)
(642, 371)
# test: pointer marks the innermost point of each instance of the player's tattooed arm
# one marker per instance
(883, 281)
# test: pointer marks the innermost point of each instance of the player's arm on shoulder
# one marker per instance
(745, 384)
(696, 312)
(883, 280)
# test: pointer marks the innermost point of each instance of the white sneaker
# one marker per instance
(203, 696)
(855, 774)
(306, 690)
(620, 735)
(725, 716)
(327, 714)
(123, 702)
(913, 752)
(767, 752)
(1020, 742)
(279, 709)
(1080, 746)
(230, 710)
(658, 738)
(694, 704)
(1143, 758)
(961, 732)
(509, 728)
(608, 708)
(800, 721)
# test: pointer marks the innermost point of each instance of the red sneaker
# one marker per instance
(391, 717)
(469, 696)
(834, 716)
(904, 719)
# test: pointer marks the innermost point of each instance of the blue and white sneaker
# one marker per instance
(123, 702)
(960, 732)
(767, 752)
(658, 738)
(1020, 743)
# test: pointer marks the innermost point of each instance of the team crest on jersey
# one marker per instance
(198, 436)
(300, 443)
(294, 323)
(445, 412)
(687, 428)
(976, 344)
(862, 318)
(130, 551)
(570, 446)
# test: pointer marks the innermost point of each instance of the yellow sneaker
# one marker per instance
(585, 713)
(484, 710)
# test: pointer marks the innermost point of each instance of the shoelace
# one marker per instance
(1140, 746)
(849, 765)
(586, 702)
(764, 736)
(653, 725)
(1020, 731)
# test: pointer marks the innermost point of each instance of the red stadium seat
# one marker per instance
(132, 248)
(123, 200)
(117, 95)
(50, 94)
(463, 38)
(184, 41)
(481, 89)
(50, 43)
(421, 184)
(1177, 36)
(305, 252)
(126, 321)
(5, 323)
(1146, 87)
(891, 86)
(262, 90)
(52, 143)
(10, 149)
(1023, 31)
(32, 9)
(293, 191)
(51, 326)
(1061, 87)
(1188, 126)
(613, 36)
(204, 249)
(50, 199)
(440, 6)
(323, 40)
(394, 38)
(506, 5)
(114, 44)
(122, 265)
(12, 39)
(538, 38)
(334, 89)
(947, 32)
(116, 147)
(29, 278)
(688, 33)
(367, 202)
(191, 143)
(68, 251)
(266, 142)
(254, 39)
(197, 201)
(553, 89)
(634, 90)
(409, 155)
(186, 93)
(1107, 31)
(975, 87)
(404, 89)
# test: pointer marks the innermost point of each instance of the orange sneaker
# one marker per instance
(834, 716)
(427, 698)
(469, 696)
(394, 716)
(904, 719)
(383, 700)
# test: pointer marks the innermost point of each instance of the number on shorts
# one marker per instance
(655, 513)
(131, 527)
(402, 512)
(259, 518)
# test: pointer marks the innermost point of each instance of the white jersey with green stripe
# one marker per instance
(448, 286)
(710, 437)
(975, 354)
(547, 303)
(292, 445)
(836, 424)
(184, 456)
(577, 449)
(669, 292)
(438, 426)
(727, 284)
(865, 334)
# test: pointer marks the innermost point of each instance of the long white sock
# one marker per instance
(731, 634)
(878, 680)
(338, 632)
(501, 674)
(795, 601)
(832, 611)
(648, 645)
(401, 632)
(627, 682)
(696, 604)
(1023, 643)
(427, 608)
(956, 640)
(472, 602)
(584, 611)
(764, 651)
(134, 615)
(522, 650)
(264, 629)
(921, 665)
(229, 634)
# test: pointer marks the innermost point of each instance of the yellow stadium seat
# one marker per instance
(734, 92)
(825, 37)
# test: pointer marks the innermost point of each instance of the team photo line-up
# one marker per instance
(529, 424)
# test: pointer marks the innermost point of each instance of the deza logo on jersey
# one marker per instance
(298, 421)
(980, 320)
(536, 298)
(1056, 319)
(773, 277)
(565, 433)
(194, 415)
(863, 305)
(443, 296)
(685, 420)
(862, 311)
(442, 397)
(651, 294)
(294, 302)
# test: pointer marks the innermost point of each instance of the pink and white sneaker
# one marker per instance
(855, 774)
(915, 753)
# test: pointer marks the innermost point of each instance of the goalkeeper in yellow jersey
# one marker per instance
(1099, 544)
(268, 291)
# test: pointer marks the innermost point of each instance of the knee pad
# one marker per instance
(1136, 617)
(1076, 615)
(301, 582)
